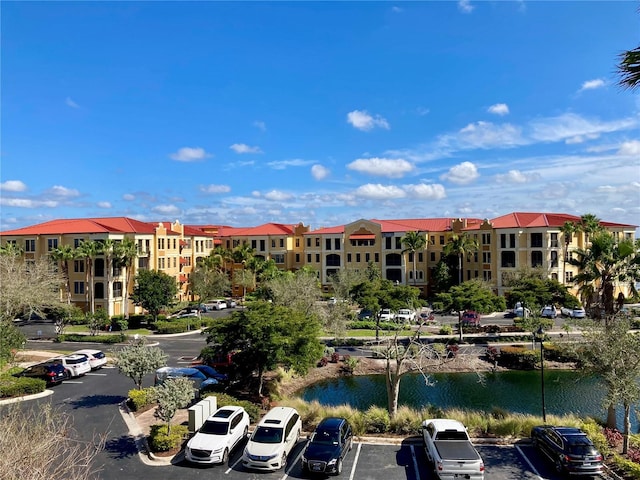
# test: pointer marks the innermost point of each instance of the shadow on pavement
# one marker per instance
(90, 401)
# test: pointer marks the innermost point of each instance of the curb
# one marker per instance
(140, 439)
(24, 398)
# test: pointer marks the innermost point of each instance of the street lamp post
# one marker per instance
(540, 336)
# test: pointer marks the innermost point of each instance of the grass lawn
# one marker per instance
(85, 329)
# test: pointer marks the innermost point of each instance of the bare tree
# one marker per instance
(41, 443)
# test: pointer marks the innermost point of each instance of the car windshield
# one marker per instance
(267, 435)
(582, 450)
(214, 428)
(325, 437)
(207, 370)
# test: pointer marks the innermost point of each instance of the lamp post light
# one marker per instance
(540, 336)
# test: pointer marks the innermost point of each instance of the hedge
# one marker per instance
(518, 357)
(139, 399)
(18, 386)
(160, 441)
(222, 400)
(78, 337)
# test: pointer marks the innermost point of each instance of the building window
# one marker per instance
(508, 259)
(175, 262)
(568, 277)
(486, 257)
(348, 258)
(377, 257)
(432, 239)
(254, 244)
(536, 240)
(262, 245)
(77, 242)
(398, 243)
(308, 258)
(297, 258)
(78, 288)
(308, 241)
(52, 244)
(99, 290)
(29, 245)
(117, 289)
(116, 269)
(327, 244)
(432, 256)
(554, 276)
(554, 259)
(273, 243)
(98, 267)
(393, 259)
(536, 258)
(297, 243)
(282, 243)
(554, 240)
(317, 258)
(507, 241)
(317, 241)
(367, 257)
(486, 275)
(486, 239)
(336, 244)
(78, 266)
(420, 257)
(333, 260)
(441, 239)
(387, 243)
(278, 258)
(357, 258)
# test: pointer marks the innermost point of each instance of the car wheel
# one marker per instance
(339, 467)
(67, 374)
(225, 456)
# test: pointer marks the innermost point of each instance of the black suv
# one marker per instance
(327, 447)
(571, 451)
(50, 372)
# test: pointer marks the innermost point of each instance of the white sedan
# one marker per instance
(577, 312)
(218, 435)
(97, 359)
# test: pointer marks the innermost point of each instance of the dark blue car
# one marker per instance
(211, 372)
(327, 447)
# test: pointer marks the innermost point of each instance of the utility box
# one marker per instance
(210, 405)
(196, 417)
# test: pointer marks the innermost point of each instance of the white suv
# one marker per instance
(218, 435)
(273, 439)
(74, 365)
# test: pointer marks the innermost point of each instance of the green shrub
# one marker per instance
(139, 399)
(78, 337)
(223, 399)
(518, 357)
(630, 468)
(161, 441)
(18, 386)
(445, 330)
(177, 326)
(377, 420)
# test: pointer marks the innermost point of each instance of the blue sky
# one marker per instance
(322, 113)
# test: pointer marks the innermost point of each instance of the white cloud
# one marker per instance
(592, 84)
(166, 209)
(463, 173)
(581, 138)
(631, 148)
(362, 120)
(385, 167)
(570, 125)
(488, 135)
(283, 164)
(465, 6)
(61, 191)
(243, 148)
(260, 125)
(71, 103)
(499, 109)
(128, 197)
(13, 186)
(379, 192)
(277, 196)
(422, 111)
(215, 188)
(395, 9)
(512, 176)
(426, 192)
(104, 204)
(27, 203)
(319, 172)
(189, 154)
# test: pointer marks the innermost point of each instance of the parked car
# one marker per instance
(332, 301)
(217, 304)
(97, 359)
(365, 314)
(50, 372)
(273, 439)
(386, 315)
(218, 435)
(327, 447)
(470, 319)
(211, 372)
(521, 311)
(570, 449)
(186, 312)
(577, 312)
(74, 365)
(200, 380)
(549, 311)
(406, 315)
(231, 303)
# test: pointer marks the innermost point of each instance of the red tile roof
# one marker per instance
(533, 219)
(85, 225)
(260, 230)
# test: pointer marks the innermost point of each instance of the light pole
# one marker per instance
(540, 336)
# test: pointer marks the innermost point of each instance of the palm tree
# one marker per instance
(605, 263)
(126, 252)
(89, 250)
(568, 229)
(107, 248)
(413, 241)
(589, 224)
(629, 69)
(461, 245)
(63, 255)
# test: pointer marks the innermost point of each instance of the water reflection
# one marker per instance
(514, 391)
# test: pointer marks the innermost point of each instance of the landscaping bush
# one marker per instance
(377, 420)
(161, 441)
(135, 321)
(18, 386)
(177, 326)
(139, 399)
(223, 399)
(445, 330)
(78, 337)
(518, 357)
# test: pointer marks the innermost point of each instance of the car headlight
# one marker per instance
(332, 461)
(217, 450)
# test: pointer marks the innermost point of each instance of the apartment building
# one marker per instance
(506, 244)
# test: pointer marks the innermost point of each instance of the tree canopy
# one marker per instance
(137, 360)
(472, 295)
(154, 291)
(265, 336)
(532, 287)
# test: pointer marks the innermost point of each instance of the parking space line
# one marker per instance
(526, 459)
(415, 461)
(290, 465)
(232, 466)
(73, 382)
(355, 462)
(96, 374)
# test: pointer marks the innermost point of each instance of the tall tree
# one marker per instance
(172, 394)
(589, 224)
(208, 281)
(246, 279)
(298, 291)
(413, 242)
(89, 250)
(137, 360)
(459, 246)
(154, 291)
(108, 249)
(126, 253)
(267, 335)
(568, 230)
(63, 255)
(606, 263)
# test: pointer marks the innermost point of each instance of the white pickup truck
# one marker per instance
(450, 451)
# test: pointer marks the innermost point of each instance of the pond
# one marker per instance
(513, 391)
